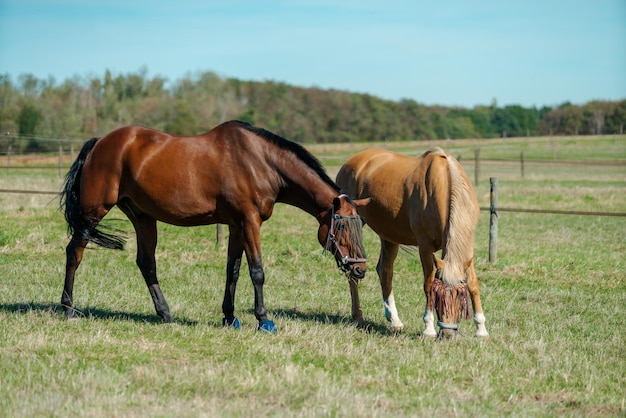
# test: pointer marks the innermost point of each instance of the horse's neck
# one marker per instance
(308, 192)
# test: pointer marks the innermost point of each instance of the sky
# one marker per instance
(450, 53)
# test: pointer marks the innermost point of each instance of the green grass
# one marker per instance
(555, 304)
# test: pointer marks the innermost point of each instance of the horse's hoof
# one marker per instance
(167, 318)
(396, 328)
(267, 326)
(429, 335)
(360, 323)
(69, 313)
(232, 322)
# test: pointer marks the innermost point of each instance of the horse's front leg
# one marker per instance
(74, 255)
(233, 264)
(357, 313)
(428, 266)
(384, 268)
(474, 289)
(252, 246)
(258, 280)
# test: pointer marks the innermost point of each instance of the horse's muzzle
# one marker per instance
(357, 272)
(446, 333)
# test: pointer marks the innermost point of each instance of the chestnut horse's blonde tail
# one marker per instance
(458, 242)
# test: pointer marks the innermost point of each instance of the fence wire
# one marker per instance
(519, 210)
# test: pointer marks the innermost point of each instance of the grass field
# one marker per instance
(555, 304)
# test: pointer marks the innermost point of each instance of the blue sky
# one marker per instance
(465, 53)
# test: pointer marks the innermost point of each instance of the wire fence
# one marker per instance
(555, 212)
(64, 158)
(61, 158)
(33, 192)
(486, 209)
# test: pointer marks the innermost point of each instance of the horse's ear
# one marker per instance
(439, 264)
(357, 203)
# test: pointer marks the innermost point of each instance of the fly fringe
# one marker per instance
(443, 299)
(349, 228)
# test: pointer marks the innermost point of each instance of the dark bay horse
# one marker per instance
(427, 202)
(233, 174)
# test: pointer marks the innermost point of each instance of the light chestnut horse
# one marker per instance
(427, 202)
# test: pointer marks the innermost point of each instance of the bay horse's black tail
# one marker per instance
(77, 225)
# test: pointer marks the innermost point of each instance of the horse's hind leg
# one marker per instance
(91, 216)
(73, 257)
(384, 268)
(146, 229)
(474, 289)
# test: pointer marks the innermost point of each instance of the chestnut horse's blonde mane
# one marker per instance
(458, 243)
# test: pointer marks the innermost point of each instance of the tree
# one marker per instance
(81, 107)
(28, 119)
(565, 119)
(9, 106)
(29, 84)
(182, 120)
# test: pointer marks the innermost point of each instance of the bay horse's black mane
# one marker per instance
(297, 149)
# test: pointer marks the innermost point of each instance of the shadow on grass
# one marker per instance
(326, 318)
(100, 314)
(88, 312)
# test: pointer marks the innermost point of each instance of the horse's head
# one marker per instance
(449, 298)
(341, 234)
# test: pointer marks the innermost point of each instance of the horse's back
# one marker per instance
(176, 179)
(385, 176)
(411, 195)
(386, 167)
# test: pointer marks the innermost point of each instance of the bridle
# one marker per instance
(335, 221)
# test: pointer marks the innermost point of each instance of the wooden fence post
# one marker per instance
(220, 236)
(493, 221)
(60, 160)
(521, 157)
(476, 165)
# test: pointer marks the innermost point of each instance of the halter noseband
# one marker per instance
(332, 240)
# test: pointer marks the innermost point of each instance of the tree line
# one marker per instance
(83, 107)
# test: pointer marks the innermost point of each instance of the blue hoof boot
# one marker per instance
(267, 326)
(232, 322)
